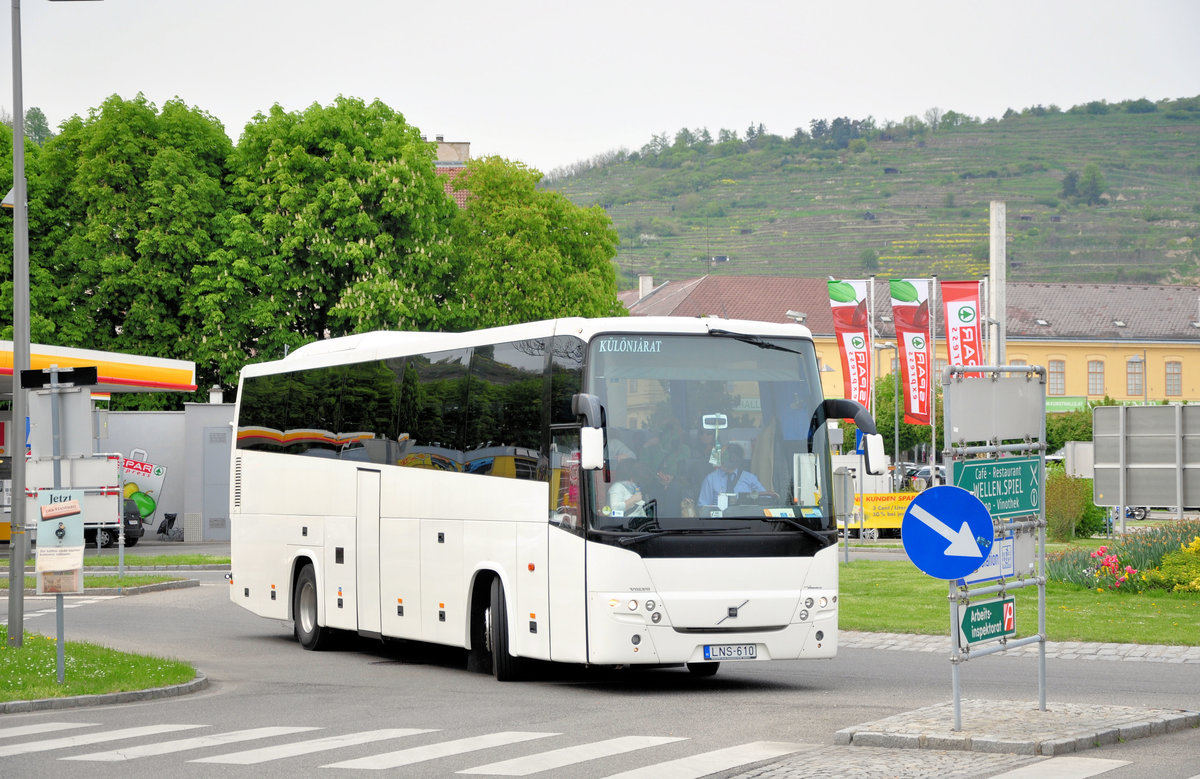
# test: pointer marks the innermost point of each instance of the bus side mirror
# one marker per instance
(876, 459)
(586, 405)
(591, 448)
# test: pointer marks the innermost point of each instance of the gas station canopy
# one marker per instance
(115, 372)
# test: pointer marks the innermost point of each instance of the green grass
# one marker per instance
(30, 672)
(108, 559)
(104, 581)
(895, 597)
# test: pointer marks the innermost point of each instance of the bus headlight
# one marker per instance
(633, 605)
(655, 617)
(804, 615)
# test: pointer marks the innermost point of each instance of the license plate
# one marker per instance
(730, 651)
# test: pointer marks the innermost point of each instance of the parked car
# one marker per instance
(106, 537)
(922, 475)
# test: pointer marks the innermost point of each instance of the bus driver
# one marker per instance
(731, 478)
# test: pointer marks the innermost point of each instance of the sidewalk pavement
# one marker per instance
(1000, 735)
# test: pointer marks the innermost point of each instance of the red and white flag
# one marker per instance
(964, 336)
(910, 313)
(848, 299)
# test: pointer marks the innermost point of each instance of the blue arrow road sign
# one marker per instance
(947, 532)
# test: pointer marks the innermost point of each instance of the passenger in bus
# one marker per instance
(666, 460)
(731, 478)
(624, 495)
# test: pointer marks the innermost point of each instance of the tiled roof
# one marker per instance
(1070, 311)
(449, 173)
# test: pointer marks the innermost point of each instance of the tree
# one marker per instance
(529, 254)
(1070, 184)
(1092, 184)
(37, 129)
(123, 208)
(933, 118)
(337, 223)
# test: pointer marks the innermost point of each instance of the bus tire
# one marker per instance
(505, 667)
(309, 633)
(703, 669)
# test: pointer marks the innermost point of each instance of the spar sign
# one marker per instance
(143, 482)
(910, 314)
(848, 302)
(964, 339)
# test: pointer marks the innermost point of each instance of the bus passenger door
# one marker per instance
(367, 541)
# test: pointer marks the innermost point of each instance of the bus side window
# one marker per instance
(564, 479)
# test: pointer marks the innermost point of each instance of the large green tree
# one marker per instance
(37, 128)
(529, 254)
(122, 208)
(337, 223)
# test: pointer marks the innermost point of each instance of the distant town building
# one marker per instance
(1129, 342)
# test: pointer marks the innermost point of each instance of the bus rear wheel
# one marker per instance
(703, 669)
(505, 667)
(309, 633)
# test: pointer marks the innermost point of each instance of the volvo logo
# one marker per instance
(732, 612)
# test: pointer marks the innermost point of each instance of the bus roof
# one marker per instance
(383, 344)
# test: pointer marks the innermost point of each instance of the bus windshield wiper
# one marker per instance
(678, 531)
(826, 537)
(757, 340)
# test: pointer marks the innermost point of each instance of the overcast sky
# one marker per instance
(550, 83)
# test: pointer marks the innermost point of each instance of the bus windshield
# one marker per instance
(707, 433)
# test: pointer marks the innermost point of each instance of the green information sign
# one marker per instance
(988, 621)
(1009, 487)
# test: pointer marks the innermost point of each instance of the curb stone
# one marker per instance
(1012, 727)
(138, 590)
(105, 699)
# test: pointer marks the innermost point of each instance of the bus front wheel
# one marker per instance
(505, 667)
(309, 633)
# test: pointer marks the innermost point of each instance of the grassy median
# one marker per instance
(30, 672)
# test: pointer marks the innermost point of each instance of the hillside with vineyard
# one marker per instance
(1101, 192)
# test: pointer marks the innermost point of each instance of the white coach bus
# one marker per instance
(641, 491)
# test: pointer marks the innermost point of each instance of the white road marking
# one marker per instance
(183, 744)
(255, 756)
(560, 758)
(43, 727)
(91, 738)
(1066, 767)
(711, 762)
(443, 749)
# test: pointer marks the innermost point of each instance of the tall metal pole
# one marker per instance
(17, 546)
(998, 297)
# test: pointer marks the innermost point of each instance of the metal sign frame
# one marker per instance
(998, 412)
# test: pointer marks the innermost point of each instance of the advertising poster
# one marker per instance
(143, 482)
(964, 336)
(910, 312)
(848, 300)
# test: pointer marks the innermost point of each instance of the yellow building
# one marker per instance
(1132, 343)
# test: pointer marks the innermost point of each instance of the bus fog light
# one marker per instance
(808, 603)
(656, 617)
(803, 615)
(649, 605)
(820, 635)
(636, 639)
(633, 605)
(824, 601)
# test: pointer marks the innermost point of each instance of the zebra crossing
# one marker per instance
(51, 738)
(189, 744)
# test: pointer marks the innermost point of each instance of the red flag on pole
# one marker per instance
(848, 299)
(964, 336)
(910, 313)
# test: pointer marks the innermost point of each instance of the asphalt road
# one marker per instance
(260, 678)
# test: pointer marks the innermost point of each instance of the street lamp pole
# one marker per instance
(20, 320)
(1145, 380)
(17, 546)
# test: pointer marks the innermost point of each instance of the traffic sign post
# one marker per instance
(995, 422)
(1009, 487)
(987, 621)
(947, 532)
